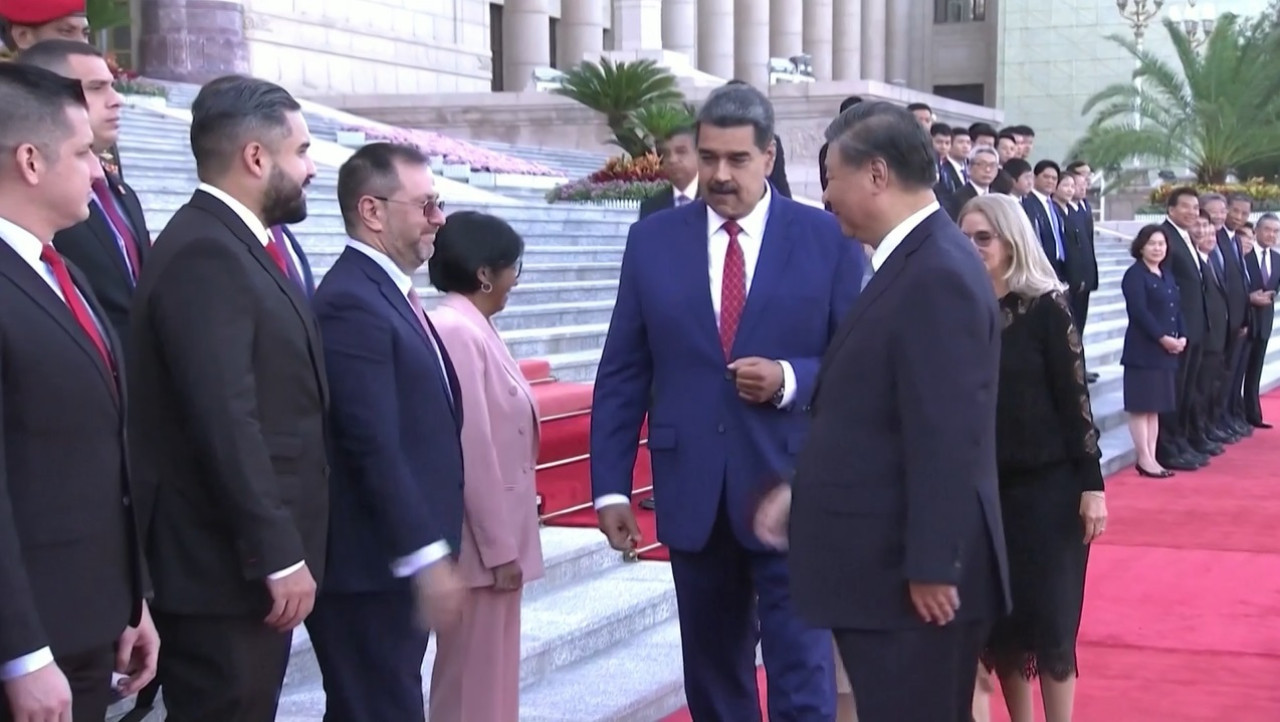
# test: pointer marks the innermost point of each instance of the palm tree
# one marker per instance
(619, 91)
(1214, 111)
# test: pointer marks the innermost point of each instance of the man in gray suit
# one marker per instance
(895, 532)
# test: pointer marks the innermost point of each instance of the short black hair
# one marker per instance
(1075, 166)
(468, 242)
(1141, 240)
(53, 54)
(913, 107)
(1246, 224)
(231, 111)
(938, 129)
(734, 105)
(849, 102)
(891, 133)
(1268, 218)
(982, 130)
(1007, 135)
(959, 130)
(1239, 197)
(372, 171)
(1179, 192)
(33, 107)
(1204, 214)
(1025, 130)
(1042, 166)
(678, 131)
(1016, 167)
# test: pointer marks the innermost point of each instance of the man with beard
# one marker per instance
(227, 423)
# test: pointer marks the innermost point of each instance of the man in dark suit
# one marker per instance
(680, 166)
(845, 104)
(1209, 392)
(1050, 225)
(1086, 257)
(228, 422)
(396, 507)
(1239, 208)
(112, 244)
(1174, 449)
(1263, 265)
(982, 170)
(1229, 263)
(723, 366)
(778, 173)
(894, 520)
(72, 609)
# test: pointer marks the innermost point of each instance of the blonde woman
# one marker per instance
(1051, 488)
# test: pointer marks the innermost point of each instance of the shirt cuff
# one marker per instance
(26, 664)
(788, 384)
(611, 500)
(411, 564)
(286, 571)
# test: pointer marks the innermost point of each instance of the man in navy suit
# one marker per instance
(1263, 265)
(724, 308)
(895, 531)
(396, 421)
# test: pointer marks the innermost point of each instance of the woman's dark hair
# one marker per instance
(1141, 240)
(469, 241)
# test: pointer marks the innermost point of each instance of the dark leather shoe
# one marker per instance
(1091, 377)
(1204, 446)
(1219, 436)
(1261, 425)
(647, 504)
(1242, 427)
(1177, 463)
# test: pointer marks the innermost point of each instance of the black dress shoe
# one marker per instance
(1219, 436)
(1242, 427)
(1175, 462)
(1261, 425)
(1091, 377)
(1204, 446)
(647, 504)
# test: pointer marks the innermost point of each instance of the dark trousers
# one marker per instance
(1238, 357)
(717, 589)
(370, 656)
(925, 673)
(220, 669)
(89, 676)
(1080, 309)
(1174, 424)
(1253, 380)
(1210, 394)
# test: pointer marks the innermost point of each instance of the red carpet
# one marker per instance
(1182, 616)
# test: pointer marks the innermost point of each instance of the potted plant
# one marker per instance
(137, 91)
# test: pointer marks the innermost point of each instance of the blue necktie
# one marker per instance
(1055, 225)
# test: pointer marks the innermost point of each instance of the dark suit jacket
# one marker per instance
(1003, 183)
(1263, 317)
(779, 175)
(228, 415)
(1151, 302)
(1185, 269)
(897, 481)
(308, 279)
(1216, 307)
(92, 246)
(71, 568)
(663, 357)
(396, 485)
(1043, 226)
(962, 196)
(1236, 287)
(659, 202)
(1087, 257)
(948, 176)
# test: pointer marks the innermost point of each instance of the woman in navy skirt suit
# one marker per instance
(1152, 342)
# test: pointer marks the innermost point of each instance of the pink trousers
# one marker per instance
(476, 677)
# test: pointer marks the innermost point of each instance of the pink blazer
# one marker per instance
(499, 446)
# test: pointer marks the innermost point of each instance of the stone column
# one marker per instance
(680, 27)
(526, 41)
(873, 32)
(846, 51)
(898, 32)
(637, 24)
(192, 41)
(786, 28)
(581, 32)
(817, 36)
(751, 42)
(715, 37)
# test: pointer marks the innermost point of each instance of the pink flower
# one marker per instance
(456, 152)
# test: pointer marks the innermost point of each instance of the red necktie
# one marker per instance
(733, 288)
(277, 253)
(78, 308)
(108, 203)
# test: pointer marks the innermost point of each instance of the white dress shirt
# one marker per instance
(688, 193)
(409, 564)
(895, 237)
(1264, 261)
(1186, 239)
(28, 247)
(750, 239)
(262, 233)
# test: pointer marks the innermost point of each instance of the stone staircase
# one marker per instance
(600, 641)
(573, 163)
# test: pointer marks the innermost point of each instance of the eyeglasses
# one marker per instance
(432, 203)
(982, 239)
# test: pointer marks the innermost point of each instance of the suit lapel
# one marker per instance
(37, 289)
(496, 349)
(771, 267)
(690, 264)
(101, 228)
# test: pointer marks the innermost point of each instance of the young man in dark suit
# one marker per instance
(680, 166)
(112, 244)
(72, 609)
(229, 411)
(895, 534)
(1264, 280)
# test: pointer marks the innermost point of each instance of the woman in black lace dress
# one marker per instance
(1051, 489)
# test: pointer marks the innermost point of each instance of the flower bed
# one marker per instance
(621, 179)
(455, 152)
(1266, 196)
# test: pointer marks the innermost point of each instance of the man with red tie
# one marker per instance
(73, 582)
(111, 245)
(24, 23)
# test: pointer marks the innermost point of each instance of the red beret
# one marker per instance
(39, 12)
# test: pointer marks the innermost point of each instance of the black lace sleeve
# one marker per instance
(1064, 362)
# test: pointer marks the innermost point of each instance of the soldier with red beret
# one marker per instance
(27, 22)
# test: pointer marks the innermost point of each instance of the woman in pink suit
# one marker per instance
(477, 669)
